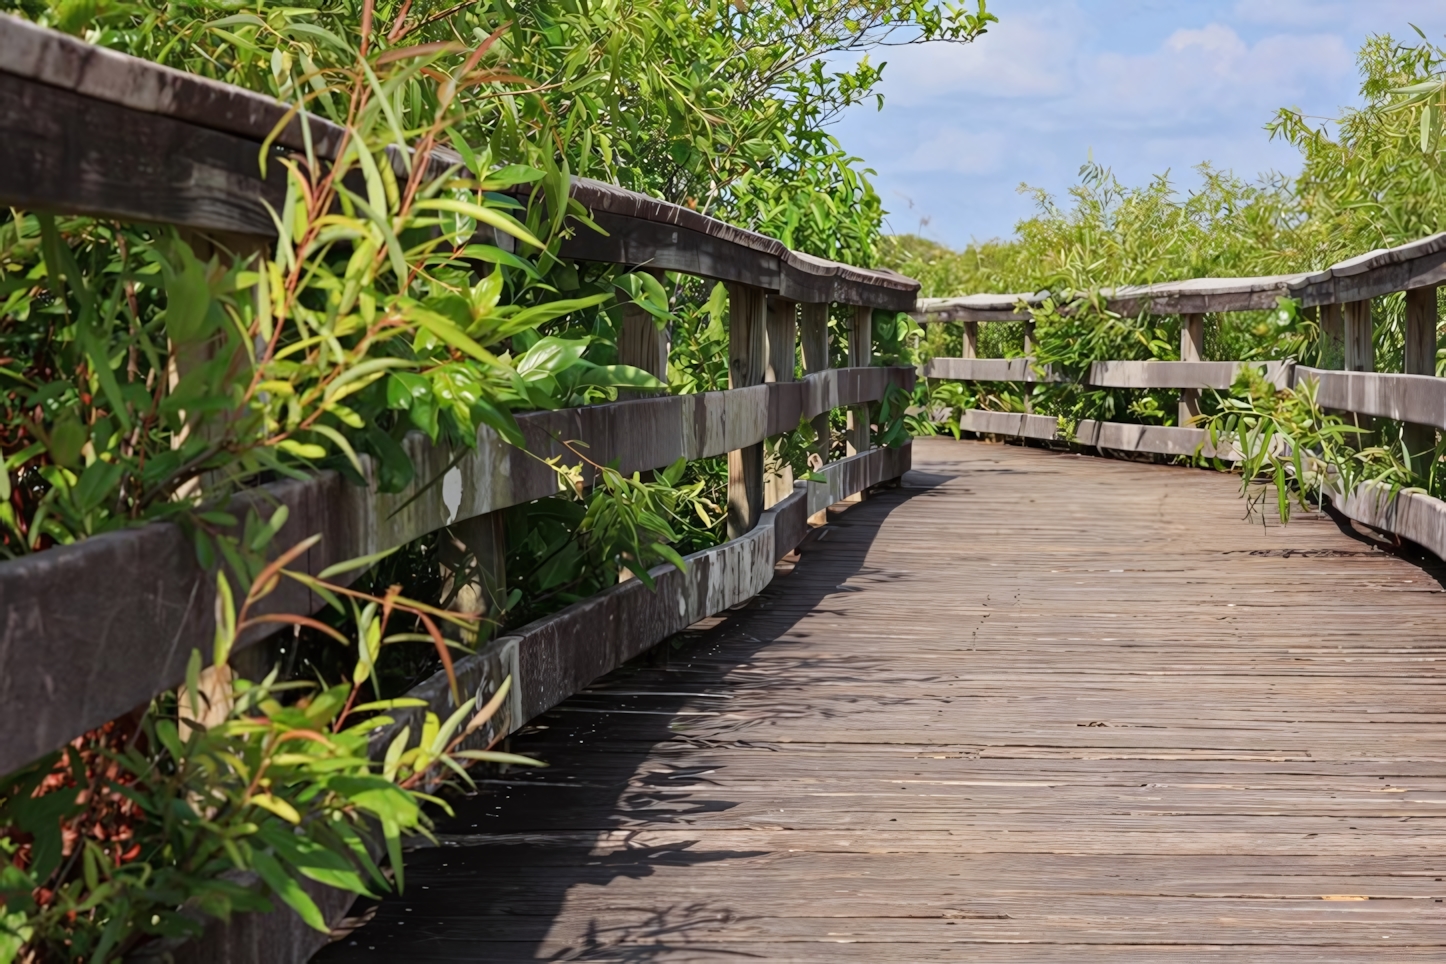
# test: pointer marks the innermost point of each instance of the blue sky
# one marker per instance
(1147, 85)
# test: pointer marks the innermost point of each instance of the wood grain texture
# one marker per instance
(64, 152)
(747, 366)
(113, 116)
(861, 355)
(1014, 424)
(1110, 374)
(1417, 264)
(147, 601)
(1419, 358)
(1029, 707)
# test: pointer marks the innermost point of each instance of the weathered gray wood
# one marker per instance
(782, 340)
(1110, 374)
(782, 366)
(1152, 439)
(1407, 398)
(974, 308)
(1420, 359)
(1333, 336)
(644, 230)
(64, 152)
(1360, 350)
(645, 344)
(1414, 265)
(147, 601)
(1192, 349)
(1115, 436)
(1016, 424)
(984, 369)
(813, 338)
(1201, 295)
(473, 556)
(747, 363)
(96, 73)
(1410, 514)
(861, 355)
(78, 121)
(1182, 374)
(1417, 264)
(970, 340)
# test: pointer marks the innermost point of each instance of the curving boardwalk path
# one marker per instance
(1029, 707)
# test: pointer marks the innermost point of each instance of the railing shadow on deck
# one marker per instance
(516, 881)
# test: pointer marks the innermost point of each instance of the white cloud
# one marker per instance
(1026, 56)
(1211, 71)
(1146, 86)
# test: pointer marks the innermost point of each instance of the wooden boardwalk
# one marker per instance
(1029, 707)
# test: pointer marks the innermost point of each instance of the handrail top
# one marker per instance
(1419, 263)
(60, 60)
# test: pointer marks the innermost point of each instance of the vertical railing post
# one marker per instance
(813, 335)
(1360, 352)
(1029, 362)
(861, 354)
(971, 339)
(1420, 359)
(1192, 348)
(782, 361)
(642, 344)
(747, 363)
(473, 557)
(1332, 337)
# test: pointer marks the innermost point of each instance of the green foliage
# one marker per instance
(1291, 447)
(1379, 180)
(1372, 178)
(223, 797)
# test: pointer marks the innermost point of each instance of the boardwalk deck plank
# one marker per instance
(1029, 707)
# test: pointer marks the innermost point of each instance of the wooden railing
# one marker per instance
(91, 630)
(1340, 295)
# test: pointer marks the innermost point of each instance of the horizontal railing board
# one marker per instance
(1115, 436)
(1182, 374)
(109, 76)
(1408, 398)
(1411, 514)
(81, 122)
(147, 602)
(986, 370)
(1417, 264)
(1150, 439)
(1202, 295)
(1018, 424)
(64, 152)
(646, 231)
(1108, 374)
(976, 308)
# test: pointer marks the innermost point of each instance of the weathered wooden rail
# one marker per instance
(1341, 295)
(92, 630)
